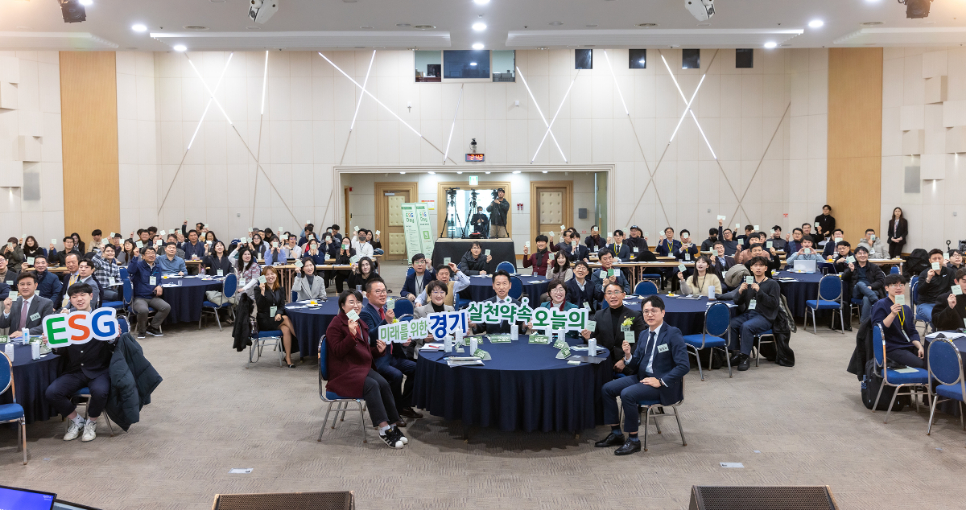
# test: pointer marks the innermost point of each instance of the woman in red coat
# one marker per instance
(350, 368)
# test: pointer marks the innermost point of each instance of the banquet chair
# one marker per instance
(83, 397)
(410, 271)
(403, 307)
(653, 409)
(128, 292)
(10, 413)
(894, 270)
(262, 339)
(645, 288)
(716, 335)
(912, 381)
(341, 403)
(228, 288)
(829, 298)
(516, 288)
(914, 294)
(945, 366)
(506, 266)
(124, 274)
(757, 344)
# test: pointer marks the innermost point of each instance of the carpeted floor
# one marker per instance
(787, 426)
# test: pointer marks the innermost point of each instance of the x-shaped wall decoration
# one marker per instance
(545, 123)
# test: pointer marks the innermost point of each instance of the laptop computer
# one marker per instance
(807, 266)
(24, 499)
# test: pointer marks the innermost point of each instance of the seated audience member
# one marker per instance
(878, 248)
(247, 271)
(865, 280)
(793, 243)
(86, 269)
(336, 234)
(843, 250)
(727, 238)
(933, 284)
(777, 242)
(804, 253)
(557, 300)
(744, 241)
(360, 241)
(620, 250)
(594, 242)
(28, 311)
(70, 277)
(473, 261)
(955, 261)
(572, 248)
(902, 343)
(950, 313)
(58, 258)
(171, 264)
(32, 249)
(274, 253)
(560, 268)
(8, 273)
(416, 282)
(350, 356)
(392, 363)
(758, 304)
(194, 249)
(452, 277)
(501, 286)
(48, 285)
(637, 242)
(217, 262)
(108, 274)
(654, 372)
(667, 245)
(361, 273)
(13, 252)
(292, 247)
(343, 258)
(701, 279)
(687, 250)
(316, 253)
(611, 330)
(172, 239)
(721, 263)
(85, 366)
(539, 259)
(127, 252)
(831, 247)
(439, 295)
(807, 234)
(603, 276)
(708, 244)
(308, 234)
(270, 301)
(307, 285)
(580, 290)
(373, 239)
(145, 275)
(757, 250)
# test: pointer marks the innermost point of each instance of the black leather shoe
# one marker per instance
(612, 439)
(628, 448)
(736, 358)
(409, 412)
(745, 363)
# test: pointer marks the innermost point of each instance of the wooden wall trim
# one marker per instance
(854, 171)
(88, 98)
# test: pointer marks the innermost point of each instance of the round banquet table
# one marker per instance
(311, 322)
(524, 387)
(796, 293)
(684, 314)
(481, 287)
(31, 378)
(186, 300)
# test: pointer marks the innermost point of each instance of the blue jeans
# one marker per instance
(631, 391)
(744, 328)
(924, 312)
(869, 297)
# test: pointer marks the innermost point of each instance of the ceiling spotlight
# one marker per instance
(481, 2)
(702, 10)
(516, 171)
(402, 173)
(770, 45)
(479, 27)
(915, 9)
(478, 46)
(461, 173)
(138, 27)
(261, 11)
(816, 23)
(472, 63)
(431, 173)
(180, 47)
(87, 2)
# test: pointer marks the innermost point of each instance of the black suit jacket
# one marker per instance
(579, 297)
(612, 340)
(902, 231)
(502, 328)
(623, 255)
(39, 305)
(670, 366)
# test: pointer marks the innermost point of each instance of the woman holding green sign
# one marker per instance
(270, 301)
(557, 291)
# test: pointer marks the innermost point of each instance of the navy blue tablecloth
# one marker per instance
(481, 287)
(186, 300)
(796, 293)
(684, 314)
(31, 378)
(310, 323)
(524, 387)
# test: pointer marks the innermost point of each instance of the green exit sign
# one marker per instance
(474, 180)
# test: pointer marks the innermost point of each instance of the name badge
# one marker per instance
(752, 304)
(9, 282)
(153, 280)
(35, 317)
(662, 348)
(626, 329)
(272, 311)
(636, 250)
(221, 272)
(586, 305)
(112, 282)
(687, 256)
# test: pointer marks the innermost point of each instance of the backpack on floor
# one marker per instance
(870, 389)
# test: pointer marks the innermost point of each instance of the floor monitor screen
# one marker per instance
(12, 498)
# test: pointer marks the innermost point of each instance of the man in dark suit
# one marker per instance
(27, 311)
(637, 243)
(416, 282)
(721, 263)
(8, 274)
(393, 364)
(580, 289)
(70, 277)
(85, 366)
(618, 248)
(611, 332)
(950, 312)
(594, 242)
(501, 286)
(572, 247)
(758, 304)
(601, 275)
(48, 285)
(655, 372)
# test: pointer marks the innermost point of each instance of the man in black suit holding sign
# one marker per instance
(28, 311)
(610, 331)
(655, 372)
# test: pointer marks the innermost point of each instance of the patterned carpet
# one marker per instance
(801, 425)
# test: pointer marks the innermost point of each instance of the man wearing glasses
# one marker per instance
(902, 343)
(655, 372)
(444, 274)
(611, 331)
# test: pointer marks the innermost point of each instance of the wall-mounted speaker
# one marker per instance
(808, 497)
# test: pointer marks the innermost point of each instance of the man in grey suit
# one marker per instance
(28, 311)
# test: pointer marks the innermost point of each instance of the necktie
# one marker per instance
(647, 352)
(70, 282)
(24, 309)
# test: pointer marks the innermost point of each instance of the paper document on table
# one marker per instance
(951, 335)
(432, 347)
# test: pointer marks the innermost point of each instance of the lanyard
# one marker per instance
(902, 318)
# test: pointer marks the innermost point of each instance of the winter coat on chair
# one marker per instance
(132, 381)
(242, 331)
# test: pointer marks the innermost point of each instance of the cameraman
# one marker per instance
(498, 210)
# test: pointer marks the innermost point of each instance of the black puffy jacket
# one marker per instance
(132, 381)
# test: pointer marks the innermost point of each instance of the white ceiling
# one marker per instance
(610, 22)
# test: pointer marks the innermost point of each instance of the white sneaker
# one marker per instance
(73, 430)
(89, 434)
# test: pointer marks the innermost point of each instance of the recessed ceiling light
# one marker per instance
(771, 45)
(479, 27)
(487, 173)
(481, 2)
(556, 23)
(195, 27)
(138, 27)
(366, 27)
(542, 48)
(461, 173)
(431, 173)
(816, 23)
(645, 25)
(87, 2)
(180, 47)
(543, 172)
(478, 46)
(472, 63)
(592, 25)
(403, 25)
(516, 171)
(424, 27)
(871, 23)
(402, 173)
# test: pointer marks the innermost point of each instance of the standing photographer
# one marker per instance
(498, 210)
